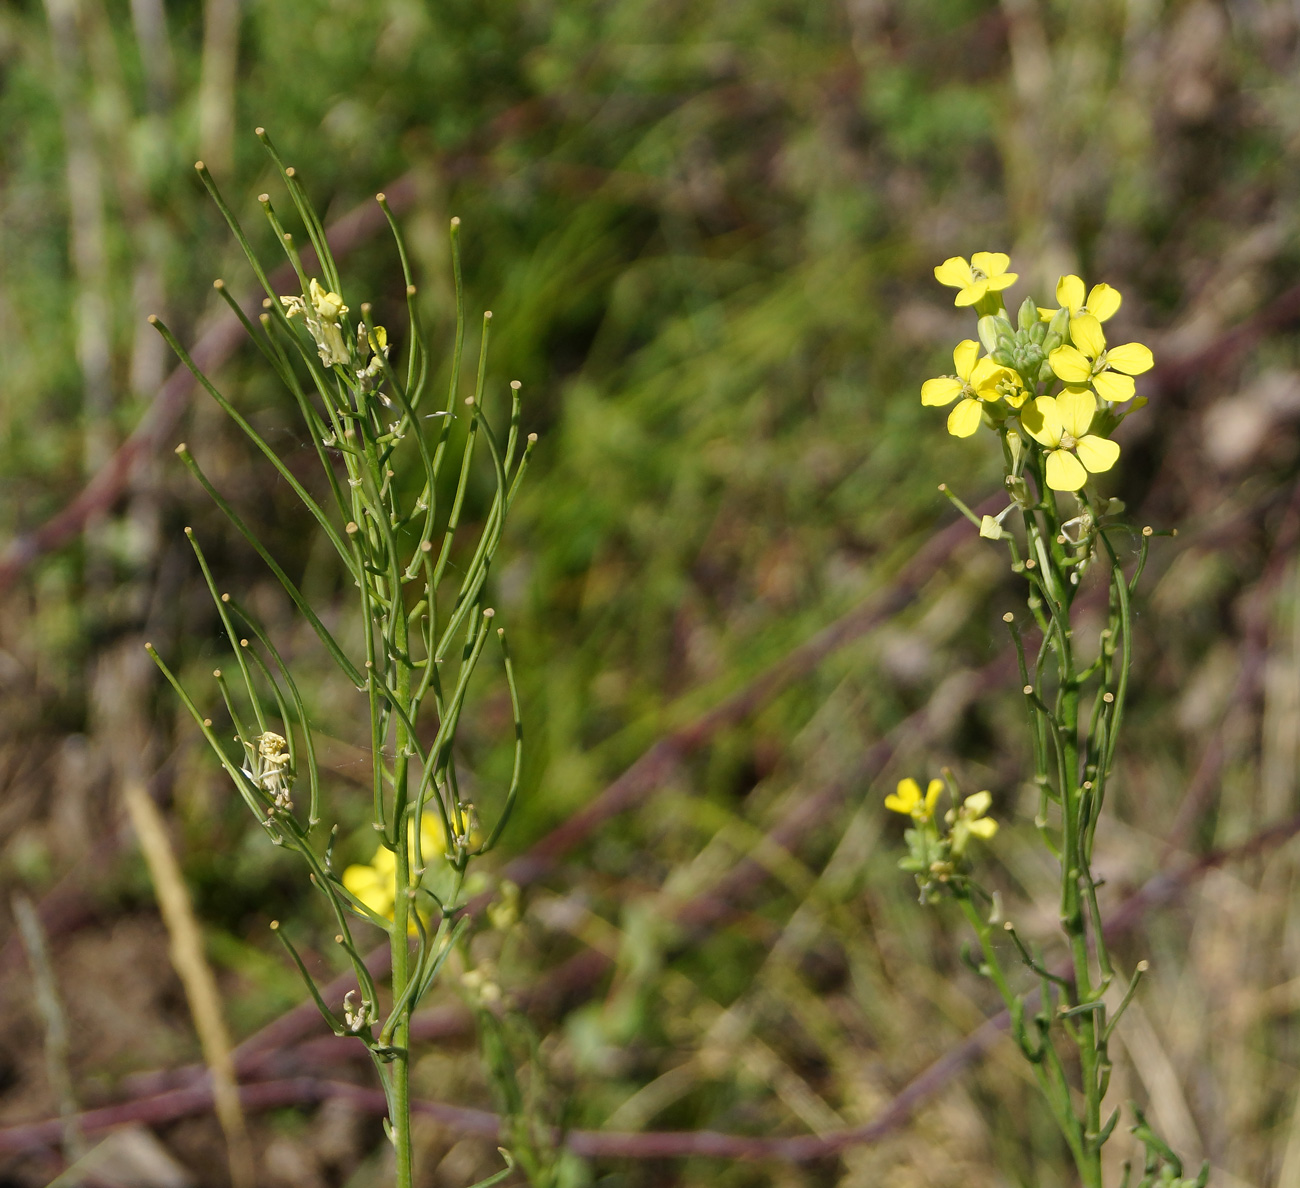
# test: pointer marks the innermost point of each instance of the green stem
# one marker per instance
(1073, 860)
(1048, 1071)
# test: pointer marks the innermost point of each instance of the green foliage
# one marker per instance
(705, 230)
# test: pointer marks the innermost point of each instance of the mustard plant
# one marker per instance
(1052, 390)
(393, 519)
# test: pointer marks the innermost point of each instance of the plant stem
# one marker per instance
(403, 905)
(1074, 859)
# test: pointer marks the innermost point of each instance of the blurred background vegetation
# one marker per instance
(706, 231)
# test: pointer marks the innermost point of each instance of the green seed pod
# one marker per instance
(1028, 315)
(988, 332)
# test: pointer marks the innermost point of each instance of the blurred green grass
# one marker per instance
(706, 233)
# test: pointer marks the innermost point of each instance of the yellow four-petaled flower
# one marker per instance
(978, 382)
(909, 801)
(986, 273)
(1061, 424)
(1090, 361)
(1102, 300)
(376, 885)
(970, 821)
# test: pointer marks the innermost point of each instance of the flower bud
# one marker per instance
(1002, 356)
(1060, 323)
(988, 332)
(1028, 314)
(1045, 373)
(1038, 332)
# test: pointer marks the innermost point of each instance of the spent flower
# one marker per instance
(321, 311)
(271, 768)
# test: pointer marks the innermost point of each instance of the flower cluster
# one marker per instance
(935, 854)
(322, 312)
(270, 767)
(1051, 379)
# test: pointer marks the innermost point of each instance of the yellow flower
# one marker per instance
(969, 821)
(972, 812)
(1089, 361)
(322, 321)
(1102, 301)
(909, 801)
(376, 885)
(986, 273)
(328, 305)
(978, 381)
(1061, 423)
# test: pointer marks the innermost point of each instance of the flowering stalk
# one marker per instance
(1053, 391)
(392, 517)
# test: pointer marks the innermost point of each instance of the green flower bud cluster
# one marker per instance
(1026, 346)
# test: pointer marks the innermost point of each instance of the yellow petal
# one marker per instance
(985, 827)
(965, 418)
(972, 293)
(932, 794)
(954, 271)
(1042, 421)
(1045, 314)
(987, 374)
(1069, 292)
(1103, 301)
(938, 392)
(1097, 454)
(906, 798)
(964, 356)
(1087, 335)
(978, 803)
(433, 839)
(1132, 358)
(367, 884)
(1070, 365)
(1003, 281)
(1114, 387)
(1064, 471)
(1077, 409)
(991, 264)
(356, 877)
